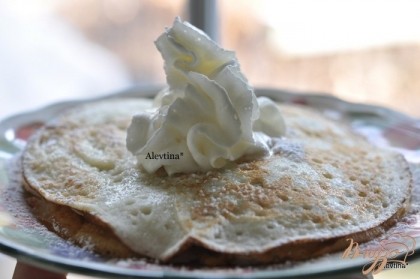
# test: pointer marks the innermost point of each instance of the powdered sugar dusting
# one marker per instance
(410, 223)
(25, 225)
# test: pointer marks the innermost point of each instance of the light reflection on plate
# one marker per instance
(21, 236)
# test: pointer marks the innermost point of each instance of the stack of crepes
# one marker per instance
(208, 173)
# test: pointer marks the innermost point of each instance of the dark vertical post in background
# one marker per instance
(204, 15)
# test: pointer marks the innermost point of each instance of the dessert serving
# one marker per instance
(209, 174)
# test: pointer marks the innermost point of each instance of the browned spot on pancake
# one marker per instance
(317, 189)
(83, 231)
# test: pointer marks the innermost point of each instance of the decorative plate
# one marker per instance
(22, 237)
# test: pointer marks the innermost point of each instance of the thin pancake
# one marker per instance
(322, 185)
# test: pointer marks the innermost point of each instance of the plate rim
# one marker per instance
(59, 263)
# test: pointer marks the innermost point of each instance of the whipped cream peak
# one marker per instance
(184, 48)
(208, 116)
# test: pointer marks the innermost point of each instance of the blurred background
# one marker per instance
(361, 51)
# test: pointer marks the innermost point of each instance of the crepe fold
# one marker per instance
(322, 185)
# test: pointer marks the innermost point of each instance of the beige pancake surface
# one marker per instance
(323, 184)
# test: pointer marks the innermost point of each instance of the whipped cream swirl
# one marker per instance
(208, 116)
